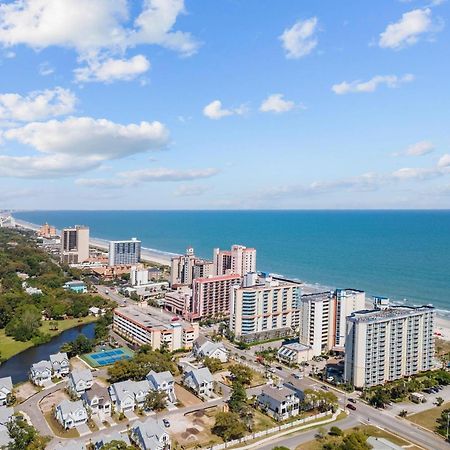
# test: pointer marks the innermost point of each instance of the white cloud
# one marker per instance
(277, 104)
(135, 177)
(37, 105)
(111, 69)
(215, 111)
(300, 40)
(419, 149)
(444, 161)
(45, 69)
(77, 144)
(414, 173)
(190, 190)
(407, 30)
(357, 86)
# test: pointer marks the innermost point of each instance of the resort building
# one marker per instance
(185, 268)
(47, 231)
(149, 435)
(211, 296)
(388, 344)
(6, 388)
(139, 276)
(179, 302)
(75, 245)
(124, 252)
(279, 402)
(294, 353)
(268, 308)
(239, 260)
(71, 414)
(147, 325)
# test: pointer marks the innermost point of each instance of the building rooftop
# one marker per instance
(279, 393)
(317, 296)
(151, 317)
(393, 312)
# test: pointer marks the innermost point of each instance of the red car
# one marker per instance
(350, 406)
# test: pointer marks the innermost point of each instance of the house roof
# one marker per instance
(68, 408)
(127, 388)
(202, 375)
(58, 357)
(295, 383)
(113, 436)
(98, 391)
(78, 375)
(5, 413)
(6, 384)
(151, 431)
(41, 366)
(278, 393)
(159, 377)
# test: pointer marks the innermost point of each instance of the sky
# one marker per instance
(224, 104)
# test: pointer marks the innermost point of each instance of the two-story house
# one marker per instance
(149, 435)
(163, 382)
(203, 348)
(6, 388)
(41, 373)
(79, 381)
(127, 395)
(97, 401)
(200, 381)
(60, 364)
(71, 414)
(279, 402)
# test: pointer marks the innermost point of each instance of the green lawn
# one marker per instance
(58, 429)
(9, 347)
(428, 417)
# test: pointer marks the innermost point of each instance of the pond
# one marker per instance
(19, 365)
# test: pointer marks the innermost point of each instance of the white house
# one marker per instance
(80, 381)
(71, 414)
(164, 382)
(97, 401)
(60, 364)
(280, 402)
(6, 388)
(203, 347)
(200, 381)
(127, 395)
(41, 373)
(6, 415)
(150, 435)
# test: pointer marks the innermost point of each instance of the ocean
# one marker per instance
(404, 255)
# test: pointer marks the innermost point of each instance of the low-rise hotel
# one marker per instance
(149, 326)
(388, 344)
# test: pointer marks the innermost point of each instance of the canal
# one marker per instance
(19, 365)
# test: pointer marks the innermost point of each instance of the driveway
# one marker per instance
(83, 429)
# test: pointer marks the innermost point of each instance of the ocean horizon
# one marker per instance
(401, 254)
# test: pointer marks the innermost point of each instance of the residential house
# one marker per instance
(113, 436)
(164, 382)
(76, 286)
(279, 402)
(80, 381)
(97, 401)
(6, 388)
(41, 373)
(71, 414)
(60, 364)
(6, 416)
(127, 395)
(295, 385)
(200, 381)
(150, 435)
(203, 347)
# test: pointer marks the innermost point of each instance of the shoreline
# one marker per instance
(442, 327)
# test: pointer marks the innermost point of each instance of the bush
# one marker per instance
(335, 431)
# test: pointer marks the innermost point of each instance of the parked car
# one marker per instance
(352, 400)
(299, 376)
(350, 406)
(166, 423)
(279, 368)
(325, 388)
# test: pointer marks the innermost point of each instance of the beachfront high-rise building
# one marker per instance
(75, 244)
(347, 301)
(388, 344)
(211, 296)
(185, 268)
(124, 253)
(47, 231)
(239, 260)
(269, 308)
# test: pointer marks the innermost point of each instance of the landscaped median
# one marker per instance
(256, 439)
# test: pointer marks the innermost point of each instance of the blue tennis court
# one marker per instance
(108, 357)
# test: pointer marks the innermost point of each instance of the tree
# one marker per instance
(24, 436)
(403, 413)
(213, 364)
(155, 400)
(117, 445)
(439, 401)
(379, 398)
(241, 373)
(356, 440)
(335, 431)
(228, 426)
(280, 447)
(25, 324)
(321, 433)
(80, 345)
(442, 423)
(238, 397)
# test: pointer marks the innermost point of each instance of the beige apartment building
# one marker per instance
(185, 268)
(388, 344)
(239, 260)
(267, 308)
(149, 326)
(75, 244)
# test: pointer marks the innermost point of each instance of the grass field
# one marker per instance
(9, 347)
(428, 417)
(57, 428)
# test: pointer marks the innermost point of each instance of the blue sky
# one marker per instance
(234, 104)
